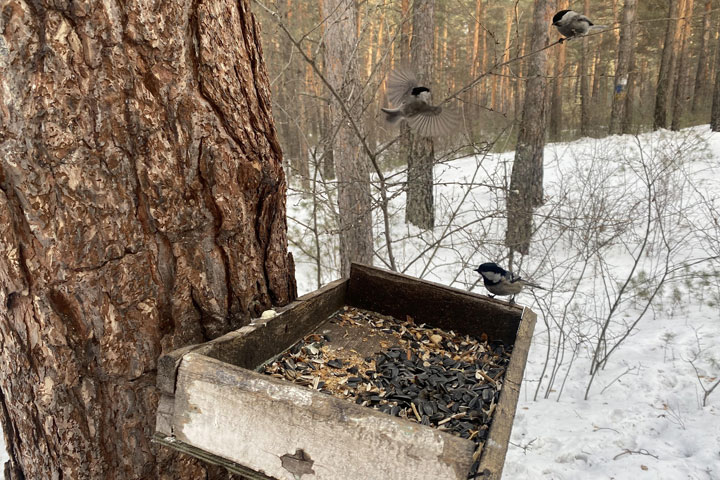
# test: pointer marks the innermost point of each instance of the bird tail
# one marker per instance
(533, 285)
(597, 27)
(392, 115)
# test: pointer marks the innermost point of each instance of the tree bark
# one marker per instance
(662, 94)
(626, 49)
(351, 164)
(526, 182)
(683, 65)
(702, 76)
(476, 64)
(420, 208)
(142, 208)
(715, 113)
(585, 93)
(556, 103)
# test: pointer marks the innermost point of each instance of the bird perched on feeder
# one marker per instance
(411, 102)
(572, 24)
(499, 281)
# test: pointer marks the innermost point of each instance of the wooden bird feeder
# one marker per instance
(217, 407)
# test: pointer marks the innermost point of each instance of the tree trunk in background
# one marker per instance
(715, 113)
(419, 209)
(626, 48)
(556, 120)
(476, 65)
(142, 208)
(682, 82)
(287, 108)
(351, 165)
(702, 76)
(585, 93)
(662, 94)
(526, 183)
(405, 32)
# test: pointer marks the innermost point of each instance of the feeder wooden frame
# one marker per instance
(216, 407)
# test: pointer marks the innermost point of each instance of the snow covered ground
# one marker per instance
(609, 201)
(644, 416)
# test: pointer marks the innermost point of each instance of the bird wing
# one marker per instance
(399, 84)
(435, 121)
(583, 18)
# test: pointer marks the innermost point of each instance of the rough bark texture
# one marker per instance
(526, 181)
(662, 93)
(351, 164)
(419, 209)
(626, 49)
(142, 208)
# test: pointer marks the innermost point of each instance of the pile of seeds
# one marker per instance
(431, 376)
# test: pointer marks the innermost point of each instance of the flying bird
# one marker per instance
(499, 281)
(411, 102)
(572, 24)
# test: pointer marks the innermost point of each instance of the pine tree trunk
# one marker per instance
(351, 164)
(626, 48)
(702, 76)
(662, 95)
(715, 113)
(683, 77)
(585, 93)
(505, 91)
(526, 183)
(475, 66)
(556, 105)
(419, 209)
(142, 208)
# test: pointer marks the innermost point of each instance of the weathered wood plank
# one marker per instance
(252, 345)
(496, 445)
(285, 431)
(171, 442)
(168, 365)
(427, 302)
(164, 417)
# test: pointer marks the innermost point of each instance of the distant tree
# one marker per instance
(626, 48)
(419, 209)
(702, 75)
(662, 93)
(682, 77)
(556, 103)
(351, 164)
(715, 114)
(585, 69)
(526, 183)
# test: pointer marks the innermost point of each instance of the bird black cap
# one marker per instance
(558, 16)
(418, 90)
(490, 267)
